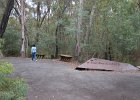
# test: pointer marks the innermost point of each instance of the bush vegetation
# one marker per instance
(11, 88)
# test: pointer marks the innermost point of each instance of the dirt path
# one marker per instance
(50, 80)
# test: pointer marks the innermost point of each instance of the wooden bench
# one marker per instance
(40, 56)
(65, 57)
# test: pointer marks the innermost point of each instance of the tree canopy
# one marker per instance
(108, 29)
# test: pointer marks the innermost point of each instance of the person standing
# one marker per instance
(33, 52)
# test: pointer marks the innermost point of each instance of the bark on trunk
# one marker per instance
(23, 28)
(56, 42)
(5, 18)
(78, 48)
(18, 12)
(139, 3)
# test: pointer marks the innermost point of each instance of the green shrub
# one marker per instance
(11, 46)
(11, 88)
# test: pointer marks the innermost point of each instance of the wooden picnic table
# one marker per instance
(65, 57)
(40, 56)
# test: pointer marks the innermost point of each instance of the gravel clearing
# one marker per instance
(51, 80)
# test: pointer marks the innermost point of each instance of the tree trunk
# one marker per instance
(56, 41)
(4, 22)
(139, 3)
(78, 48)
(89, 26)
(23, 28)
(18, 12)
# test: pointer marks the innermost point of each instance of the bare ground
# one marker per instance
(54, 80)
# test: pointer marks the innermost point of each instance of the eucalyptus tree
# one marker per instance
(23, 28)
(62, 6)
(107, 28)
(116, 28)
(5, 18)
(85, 28)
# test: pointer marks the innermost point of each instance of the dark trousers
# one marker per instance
(33, 55)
